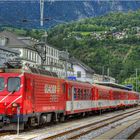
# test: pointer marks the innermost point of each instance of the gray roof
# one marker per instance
(17, 42)
(20, 41)
(9, 50)
(29, 41)
(74, 61)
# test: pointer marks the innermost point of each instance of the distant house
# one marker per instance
(81, 71)
(119, 35)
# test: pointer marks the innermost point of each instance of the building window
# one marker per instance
(49, 51)
(38, 58)
(78, 74)
(35, 57)
(28, 54)
(32, 56)
(52, 52)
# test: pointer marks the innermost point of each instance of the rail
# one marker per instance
(74, 134)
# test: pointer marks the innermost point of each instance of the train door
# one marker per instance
(33, 95)
(72, 99)
(111, 98)
(94, 98)
(29, 95)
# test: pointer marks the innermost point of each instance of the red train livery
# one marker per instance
(42, 98)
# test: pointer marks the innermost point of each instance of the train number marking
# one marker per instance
(50, 88)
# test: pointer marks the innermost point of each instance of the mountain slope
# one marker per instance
(13, 12)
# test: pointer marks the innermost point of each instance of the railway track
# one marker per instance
(72, 129)
(5, 133)
(84, 130)
(135, 134)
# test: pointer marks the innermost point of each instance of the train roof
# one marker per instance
(114, 85)
(78, 82)
(28, 70)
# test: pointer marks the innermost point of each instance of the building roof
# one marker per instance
(74, 61)
(9, 50)
(15, 41)
(29, 41)
(20, 41)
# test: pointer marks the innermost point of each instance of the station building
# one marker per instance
(56, 61)
(81, 71)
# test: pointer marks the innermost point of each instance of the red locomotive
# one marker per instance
(42, 98)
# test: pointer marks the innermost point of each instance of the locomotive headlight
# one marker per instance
(15, 105)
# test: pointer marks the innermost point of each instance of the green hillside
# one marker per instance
(111, 41)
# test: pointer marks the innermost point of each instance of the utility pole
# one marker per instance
(103, 71)
(66, 72)
(108, 72)
(41, 12)
(136, 79)
(41, 46)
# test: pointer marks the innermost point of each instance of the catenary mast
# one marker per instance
(41, 12)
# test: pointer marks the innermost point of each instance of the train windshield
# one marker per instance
(13, 84)
(1, 84)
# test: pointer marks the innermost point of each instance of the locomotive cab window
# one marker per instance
(13, 84)
(1, 84)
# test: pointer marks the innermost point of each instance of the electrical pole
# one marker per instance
(108, 72)
(41, 12)
(103, 71)
(136, 79)
(66, 72)
(41, 46)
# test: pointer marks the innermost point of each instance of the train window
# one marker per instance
(88, 94)
(81, 94)
(13, 84)
(74, 93)
(1, 84)
(78, 93)
(69, 92)
(84, 93)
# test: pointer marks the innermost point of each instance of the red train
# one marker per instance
(42, 98)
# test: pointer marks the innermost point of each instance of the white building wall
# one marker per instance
(2, 41)
(83, 73)
(89, 77)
